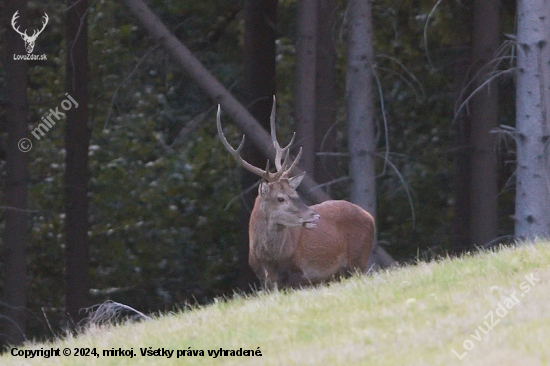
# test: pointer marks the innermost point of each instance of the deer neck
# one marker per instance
(270, 238)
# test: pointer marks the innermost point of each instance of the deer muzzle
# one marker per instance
(312, 222)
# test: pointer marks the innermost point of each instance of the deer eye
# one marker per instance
(280, 199)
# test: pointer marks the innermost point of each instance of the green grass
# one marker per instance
(407, 316)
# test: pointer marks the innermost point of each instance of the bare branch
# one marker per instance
(506, 52)
(483, 85)
(386, 135)
(426, 33)
(407, 190)
(115, 93)
(408, 72)
(110, 312)
(329, 183)
(15, 325)
(241, 196)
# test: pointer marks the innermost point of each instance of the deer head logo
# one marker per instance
(29, 40)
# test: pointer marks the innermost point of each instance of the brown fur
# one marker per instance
(292, 244)
(295, 256)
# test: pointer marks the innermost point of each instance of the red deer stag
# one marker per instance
(292, 244)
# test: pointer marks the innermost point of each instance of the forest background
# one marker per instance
(162, 221)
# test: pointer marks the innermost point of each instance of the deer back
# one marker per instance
(340, 241)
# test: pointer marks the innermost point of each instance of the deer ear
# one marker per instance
(262, 189)
(294, 182)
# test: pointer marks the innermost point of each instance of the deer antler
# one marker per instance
(13, 19)
(44, 23)
(281, 154)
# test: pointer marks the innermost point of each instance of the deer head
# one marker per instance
(29, 40)
(278, 196)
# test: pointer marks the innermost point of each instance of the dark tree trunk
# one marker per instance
(462, 187)
(15, 237)
(484, 118)
(325, 93)
(461, 131)
(304, 93)
(259, 81)
(461, 225)
(77, 139)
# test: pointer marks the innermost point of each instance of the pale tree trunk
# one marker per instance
(304, 93)
(219, 94)
(359, 98)
(259, 81)
(532, 120)
(77, 176)
(12, 321)
(360, 105)
(325, 93)
(484, 118)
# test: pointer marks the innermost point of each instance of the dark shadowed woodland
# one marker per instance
(431, 115)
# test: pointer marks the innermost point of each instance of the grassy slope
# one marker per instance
(409, 316)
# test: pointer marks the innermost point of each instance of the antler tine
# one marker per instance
(236, 153)
(44, 23)
(36, 32)
(291, 142)
(294, 163)
(278, 151)
(281, 154)
(274, 136)
(16, 28)
(285, 160)
(14, 18)
(272, 124)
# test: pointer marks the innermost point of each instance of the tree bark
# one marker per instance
(325, 92)
(15, 236)
(484, 118)
(304, 92)
(259, 81)
(219, 94)
(360, 104)
(532, 120)
(361, 137)
(77, 176)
